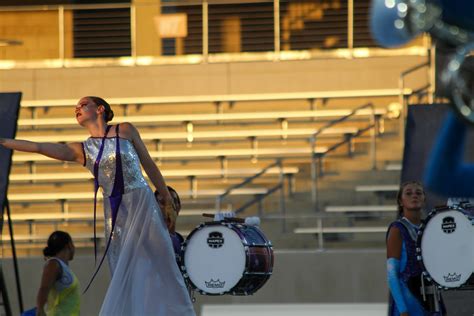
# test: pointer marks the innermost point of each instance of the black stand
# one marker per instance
(3, 287)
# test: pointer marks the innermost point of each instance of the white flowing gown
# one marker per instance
(145, 277)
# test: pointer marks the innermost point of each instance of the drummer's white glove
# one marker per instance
(219, 216)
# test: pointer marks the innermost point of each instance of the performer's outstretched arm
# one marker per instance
(63, 152)
(446, 174)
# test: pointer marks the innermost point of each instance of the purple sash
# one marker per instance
(115, 197)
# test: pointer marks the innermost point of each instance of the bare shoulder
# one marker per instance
(394, 232)
(52, 266)
(129, 131)
(394, 243)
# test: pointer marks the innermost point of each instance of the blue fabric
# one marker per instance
(399, 271)
(30, 312)
(393, 269)
(177, 241)
(446, 174)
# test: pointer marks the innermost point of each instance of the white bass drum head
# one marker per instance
(214, 258)
(447, 248)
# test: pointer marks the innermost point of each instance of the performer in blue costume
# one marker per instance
(446, 174)
(145, 277)
(404, 271)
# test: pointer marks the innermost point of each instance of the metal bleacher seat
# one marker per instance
(338, 230)
(339, 94)
(211, 153)
(180, 118)
(360, 208)
(378, 188)
(89, 196)
(393, 167)
(167, 173)
(205, 135)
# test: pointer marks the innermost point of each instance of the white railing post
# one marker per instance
(205, 31)
(276, 29)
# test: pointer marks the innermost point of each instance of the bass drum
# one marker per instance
(227, 258)
(445, 247)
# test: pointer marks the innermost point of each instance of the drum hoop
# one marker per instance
(419, 256)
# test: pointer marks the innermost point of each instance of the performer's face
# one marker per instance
(413, 197)
(85, 110)
(72, 250)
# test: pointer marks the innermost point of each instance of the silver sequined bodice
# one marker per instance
(132, 174)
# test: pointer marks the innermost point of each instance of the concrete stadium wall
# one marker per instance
(299, 277)
(218, 78)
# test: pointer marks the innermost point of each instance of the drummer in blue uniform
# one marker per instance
(404, 271)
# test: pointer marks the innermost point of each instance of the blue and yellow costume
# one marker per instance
(64, 298)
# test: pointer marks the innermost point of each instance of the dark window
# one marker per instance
(102, 33)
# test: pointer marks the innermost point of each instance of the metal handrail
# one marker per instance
(315, 156)
(205, 55)
(258, 198)
(278, 163)
(402, 97)
(247, 180)
(280, 186)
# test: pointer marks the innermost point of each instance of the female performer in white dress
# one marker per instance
(145, 277)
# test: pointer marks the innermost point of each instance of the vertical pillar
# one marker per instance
(147, 41)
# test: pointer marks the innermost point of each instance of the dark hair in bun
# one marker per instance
(108, 114)
(57, 241)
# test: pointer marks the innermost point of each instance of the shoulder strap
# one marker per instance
(96, 185)
(410, 229)
(115, 200)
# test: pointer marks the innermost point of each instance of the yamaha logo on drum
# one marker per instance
(452, 277)
(449, 225)
(214, 284)
(215, 240)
